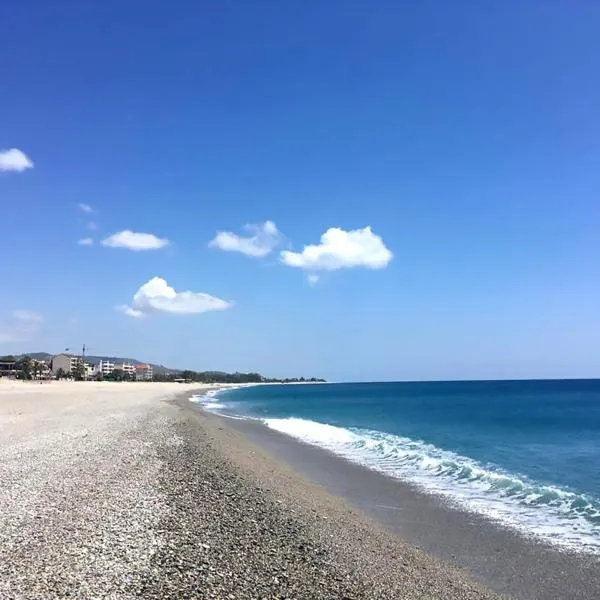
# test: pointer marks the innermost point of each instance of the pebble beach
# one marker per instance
(127, 490)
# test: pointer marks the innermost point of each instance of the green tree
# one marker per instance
(24, 368)
(79, 372)
(60, 374)
(187, 374)
(116, 375)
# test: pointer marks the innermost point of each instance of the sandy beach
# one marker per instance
(126, 491)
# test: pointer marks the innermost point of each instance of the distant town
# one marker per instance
(42, 366)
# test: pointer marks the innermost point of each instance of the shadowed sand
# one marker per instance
(121, 491)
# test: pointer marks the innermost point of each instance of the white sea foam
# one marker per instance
(211, 403)
(551, 513)
(208, 401)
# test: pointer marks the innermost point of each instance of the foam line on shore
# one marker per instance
(555, 515)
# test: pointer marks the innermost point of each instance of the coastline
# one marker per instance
(499, 558)
(334, 549)
(128, 491)
(132, 491)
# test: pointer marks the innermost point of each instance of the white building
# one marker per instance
(91, 370)
(144, 372)
(106, 367)
(127, 368)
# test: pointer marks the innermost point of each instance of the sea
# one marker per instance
(525, 454)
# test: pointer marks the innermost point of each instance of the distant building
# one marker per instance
(41, 369)
(66, 362)
(106, 367)
(144, 372)
(128, 368)
(8, 369)
(91, 370)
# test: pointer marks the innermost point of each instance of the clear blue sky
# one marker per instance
(466, 135)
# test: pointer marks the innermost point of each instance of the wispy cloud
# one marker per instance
(86, 241)
(86, 208)
(92, 225)
(341, 249)
(157, 296)
(263, 241)
(21, 326)
(27, 316)
(135, 241)
(312, 279)
(130, 312)
(14, 160)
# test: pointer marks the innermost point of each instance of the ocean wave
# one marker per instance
(551, 513)
(208, 401)
(211, 403)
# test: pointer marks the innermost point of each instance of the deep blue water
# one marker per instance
(524, 453)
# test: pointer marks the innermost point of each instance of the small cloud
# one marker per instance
(156, 296)
(86, 242)
(86, 208)
(92, 225)
(27, 316)
(130, 312)
(263, 241)
(21, 326)
(341, 249)
(135, 241)
(14, 160)
(312, 279)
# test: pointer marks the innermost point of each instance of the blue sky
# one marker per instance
(465, 135)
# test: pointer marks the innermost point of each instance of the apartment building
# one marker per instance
(106, 367)
(91, 370)
(144, 372)
(128, 368)
(66, 362)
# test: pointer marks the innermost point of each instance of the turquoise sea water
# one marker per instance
(524, 453)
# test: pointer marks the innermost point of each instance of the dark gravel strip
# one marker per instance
(238, 526)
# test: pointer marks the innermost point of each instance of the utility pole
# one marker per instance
(83, 363)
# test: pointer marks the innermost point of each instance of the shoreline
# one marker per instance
(127, 491)
(500, 558)
(355, 554)
(132, 491)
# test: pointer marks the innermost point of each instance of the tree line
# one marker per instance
(221, 377)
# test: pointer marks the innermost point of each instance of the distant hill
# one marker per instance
(94, 360)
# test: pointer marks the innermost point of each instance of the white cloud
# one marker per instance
(14, 160)
(21, 326)
(86, 242)
(157, 296)
(27, 316)
(312, 279)
(135, 241)
(341, 249)
(86, 208)
(130, 312)
(263, 240)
